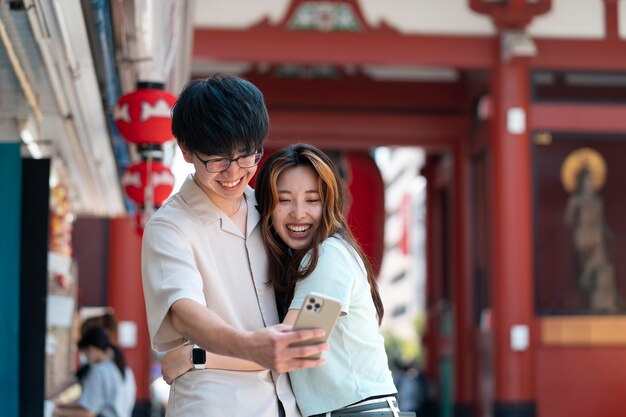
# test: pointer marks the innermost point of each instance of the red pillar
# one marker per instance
(366, 215)
(433, 272)
(512, 257)
(125, 295)
(611, 20)
(462, 295)
(432, 318)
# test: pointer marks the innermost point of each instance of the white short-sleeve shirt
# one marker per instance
(193, 250)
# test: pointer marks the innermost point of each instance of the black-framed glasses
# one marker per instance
(216, 165)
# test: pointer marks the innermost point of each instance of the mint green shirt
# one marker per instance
(356, 363)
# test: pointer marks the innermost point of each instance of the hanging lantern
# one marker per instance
(144, 192)
(143, 116)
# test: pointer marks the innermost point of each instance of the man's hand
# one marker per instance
(176, 362)
(270, 348)
(267, 347)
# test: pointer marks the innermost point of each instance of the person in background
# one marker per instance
(204, 266)
(105, 321)
(311, 249)
(108, 388)
(69, 387)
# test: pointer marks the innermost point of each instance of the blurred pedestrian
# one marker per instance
(108, 388)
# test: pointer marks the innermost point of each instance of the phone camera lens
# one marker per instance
(311, 300)
(317, 305)
(308, 307)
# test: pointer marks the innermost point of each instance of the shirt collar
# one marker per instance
(204, 208)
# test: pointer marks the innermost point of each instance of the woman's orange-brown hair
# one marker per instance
(284, 264)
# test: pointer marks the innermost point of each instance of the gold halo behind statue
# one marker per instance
(583, 158)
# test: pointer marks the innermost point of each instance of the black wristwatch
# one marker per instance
(198, 357)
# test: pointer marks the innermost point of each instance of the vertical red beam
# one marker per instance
(433, 273)
(366, 216)
(125, 295)
(611, 20)
(464, 352)
(512, 258)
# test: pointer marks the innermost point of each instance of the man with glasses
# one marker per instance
(215, 165)
(204, 266)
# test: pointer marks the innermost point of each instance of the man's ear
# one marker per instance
(186, 153)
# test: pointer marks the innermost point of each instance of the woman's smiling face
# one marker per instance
(298, 213)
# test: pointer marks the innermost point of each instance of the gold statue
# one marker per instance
(583, 174)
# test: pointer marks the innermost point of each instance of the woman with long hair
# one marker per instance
(108, 388)
(289, 246)
(302, 205)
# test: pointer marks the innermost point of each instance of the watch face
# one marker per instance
(198, 356)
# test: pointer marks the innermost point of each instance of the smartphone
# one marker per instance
(317, 311)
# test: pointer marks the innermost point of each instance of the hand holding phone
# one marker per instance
(317, 311)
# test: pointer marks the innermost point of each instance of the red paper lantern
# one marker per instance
(143, 116)
(135, 182)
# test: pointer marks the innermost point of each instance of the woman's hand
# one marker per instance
(176, 362)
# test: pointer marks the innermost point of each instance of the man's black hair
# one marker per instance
(220, 115)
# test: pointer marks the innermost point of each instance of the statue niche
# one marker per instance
(583, 174)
